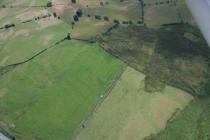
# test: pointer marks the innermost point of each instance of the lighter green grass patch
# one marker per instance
(130, 113)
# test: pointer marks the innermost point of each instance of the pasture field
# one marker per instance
(114, 9)
(26, 40)
(159, 12)
(89, 28)
(130, 113)
(162, 14)
(191, 124)
(177, 55)
(43, 99)
(185, 13)
(62, 93)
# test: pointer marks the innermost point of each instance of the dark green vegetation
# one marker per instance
(43, 99)
(134, 45)
(168, 54)
(176, 55)
(181, 62)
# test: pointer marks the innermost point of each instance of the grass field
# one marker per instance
(61, 92)
(16, 47)
(178, 56)
(130, 113)
(191, 124)
(162, 14)
(24, 40)
(46, 100)
(175, 11)
(95, 28)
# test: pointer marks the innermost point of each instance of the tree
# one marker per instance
(76, 18)
(49, 4)
(73, 1)
(79, 13)
(68, 37)
(97, 17)
(54, 14)
(106, 18)
(9, 26)
(116, 21)
(101, 3)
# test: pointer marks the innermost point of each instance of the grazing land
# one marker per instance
(191, 124)
(46, 100)
(15, 47)
(102, 70)
(131, 113)
(176, 55)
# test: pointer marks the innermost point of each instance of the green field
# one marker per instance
(16, 47)
(46, 100)
(191, 124)
(131, 84)
(130, 113)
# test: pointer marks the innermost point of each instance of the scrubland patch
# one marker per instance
(164, 54)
